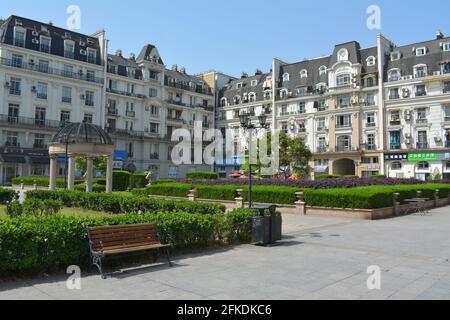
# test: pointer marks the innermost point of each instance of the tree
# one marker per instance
(294, 155)
(99, 164)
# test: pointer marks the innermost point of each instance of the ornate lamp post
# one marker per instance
(246, 124)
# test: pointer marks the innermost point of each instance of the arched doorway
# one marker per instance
(344, 167)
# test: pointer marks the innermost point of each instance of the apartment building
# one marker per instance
(49, 77)
(52, 76)
(362, 111)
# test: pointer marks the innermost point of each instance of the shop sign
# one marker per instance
(422, 156)
(396, 156)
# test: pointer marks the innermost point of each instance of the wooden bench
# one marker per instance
(122, 239)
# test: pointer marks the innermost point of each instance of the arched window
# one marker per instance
(423, 165)
(420, 71)
(343, 79)
(237, 100)
(370, 82)
(304, 73)
(252, 97)
(223, 102)
(394, 75)
(344, 143)
(286, 77)
(267, 95)
(322, 70)
(342, 55)
(396, 165)
(283, 93)
(371, 61)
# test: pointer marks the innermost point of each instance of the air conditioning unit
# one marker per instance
(35, 41)
(35, 33)
(83, 52)
(82, 43)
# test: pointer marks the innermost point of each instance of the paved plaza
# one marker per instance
(319, 258)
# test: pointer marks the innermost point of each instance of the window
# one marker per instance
(15, 88)
(153, 75)
(420, 71)
(303, 74)
(153, 92)
(285, 77)
(370, 82)
(370, 99)
(371, 142)
(343, 80)
(43, 66)
(394, 139)
(113, 84)
(154, 151)
(65, 116)
(342, 55)
(19, 38)
(344, 121)
(371, 61)
(17, 61)
(322, 105)
(223, 102)
(421, 51)
(45, 45)
(343, 143)
(88, 117)
(69, 49)
(423, 165)
(447, 113)
(422, 140)
(90, 76)
(237, 100)
(267, 95)
(67, 94)
(129, 125)
(13, 113)
(395, 118)
(302, 107)
(446, 87)
(39, 141)
(254, 83)
(284, 111)
(369, 160)
(394, 94)
(394, 75)
(41, 91)
(395, 56)
(284, 126)
(321, 124)
(154, 111)
(130, 87)
(420, 90)
(39, 116)
(301, 92)
(371, 119)
(396, 165)
(239, 85)
(322, 70)
(154, 127)
(12, 139)
(89, 99)
(68, 71)
(252, 97)
(343, 101)
(422, 116)
(91, 55)
(446, 46)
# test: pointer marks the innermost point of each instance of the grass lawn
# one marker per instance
(65, 211)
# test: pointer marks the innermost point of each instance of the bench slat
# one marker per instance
(134, 249)
(124, 236)
(123, 243)
(112, 229)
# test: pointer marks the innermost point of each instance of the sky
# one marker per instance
(232, 36)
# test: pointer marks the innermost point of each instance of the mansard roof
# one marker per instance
(231, 90)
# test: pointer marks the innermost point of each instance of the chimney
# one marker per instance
(183, 70)
(132, 56)
(258, 72)
(244, 75)
(439, 35)
(175, 68)
(119, 53)
(50, 23)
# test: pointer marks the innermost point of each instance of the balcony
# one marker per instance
(322, 129)
(395, 147)
(371, 147)
(44, 48)
(175, 119)
(394, 96)
(322, 149)
(125, 93)
(447, 144)
(112, 111)
(66, 100)
(343, 149)
(370, 124)
(130, 114)
(395, 121)
(422, 121)
(422, 145)
(57, 72)
(421, 93)
(42, 96)
(154, 156)
(181, 86)
(177, 103)
(33, 122)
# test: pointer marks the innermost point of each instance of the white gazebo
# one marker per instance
(85, 140)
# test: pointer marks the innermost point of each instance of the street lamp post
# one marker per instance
(246, 124)
(66, 142)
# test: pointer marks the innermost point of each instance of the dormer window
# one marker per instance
(45, 44)
(252, 97)
(303, 74)
(237, 100)
(19, 38)
(371, 61)
(283, 93)
(446, 46)
(395, 56)
(239, 85)
(322, 70)
(91, 55)
(394, 75)
(420, 71)
(342, 55)
(254, 83)
(69, 49)
(421, 51)
(223, 102)
(285, 77)
(343, 80)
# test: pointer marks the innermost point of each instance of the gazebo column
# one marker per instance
(53, 165)
(109, 173)
(89, 174)
(71, 173)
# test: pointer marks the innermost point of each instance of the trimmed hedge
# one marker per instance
(264, 194)
(123, 202)
(41, 181)
(373, 197)
(49, 243)
(95, 187)
(7, 195)
(121, 180)
(161, 181)
(138, 180)
(202, 175)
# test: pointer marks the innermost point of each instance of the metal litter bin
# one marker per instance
(266, 229)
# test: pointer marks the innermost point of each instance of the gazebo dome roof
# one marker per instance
(80, 133)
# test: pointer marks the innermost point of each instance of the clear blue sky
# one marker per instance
(241, 35)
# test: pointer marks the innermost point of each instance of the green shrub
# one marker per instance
(264, 194)
(372, 197)
(121, 180)
(41, 181)
(49, 243)
(123, 202)
(138, 180)
(238, 224)
(162, 181)
(202, 175)
(7, 195)
(378, 176)
(326, 176)
(45, 207)
(14, 209)
(95, 187)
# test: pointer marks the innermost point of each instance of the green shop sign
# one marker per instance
(422, 156)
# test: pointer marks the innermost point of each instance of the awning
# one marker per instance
(12, 158)
(39, 160)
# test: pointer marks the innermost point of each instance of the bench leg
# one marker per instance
(97, 261)
(168, 257)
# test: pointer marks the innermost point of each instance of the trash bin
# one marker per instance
(266, 229)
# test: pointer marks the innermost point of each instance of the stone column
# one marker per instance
(192, 196)
(395, 196)
(300, 204)
(109, 174)
(71, 173)
(436, 198)
(89, 174)
(53, 165)
(239, 199)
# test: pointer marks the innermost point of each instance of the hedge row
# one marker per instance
(39, 244)
(41, 181)
(372, 197)
(123, 202)
(264, 194)
(7, 195)
(202, 175)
